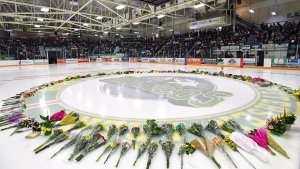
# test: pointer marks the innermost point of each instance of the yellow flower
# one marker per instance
(88, 136)
(83, 122)
(193, 146)
(43, 128)
(48, 129)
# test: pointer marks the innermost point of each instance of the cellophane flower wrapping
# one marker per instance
(248, 145)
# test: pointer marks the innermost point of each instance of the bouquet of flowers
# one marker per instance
(98, 127)
(135, 131)
(189, 150)
(72, 141)
(106, 150)
(12, 120)
(125, 147)
(51, 138)
(60, 138)
(123, 130)
(181, 153)
(58, 116)
(152, 128)
(289, 118)
(114, 148)
(213, 127)
(220, 144)
(78, 125)
(141, 151)
(227, 127)
(94, 142)
(168, 147)
(207, 147)
(70, 118)
(260, 137)
(152, 150)
(248, 145)
(236, 125)
(296, 93)
(47, 125)
(10, 115)
(197, 129)
(180, 128)
(22, 124)
(272, 143)
(276, 125)
(233, 147)
(111, 131)
(168, 130)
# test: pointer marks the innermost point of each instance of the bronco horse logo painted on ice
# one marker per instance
(178, 90)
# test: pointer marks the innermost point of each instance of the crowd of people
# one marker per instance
(177, 45)
(277, 33)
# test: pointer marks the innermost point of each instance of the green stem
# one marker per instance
(79, 157)
(148, 163)
(36, 149)
(107, 158)
(215, 161)
(99, 157)
(57, 152)
(272, 152)
(7, 128)
(15, 131)
(168, 162)
(135, 161)
(134, 144)
(71, 157)
(246, 159)
(118, 161)
(181, 157)
(230, 158)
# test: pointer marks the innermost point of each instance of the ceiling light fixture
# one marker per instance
(75, 29)
(39, 31)
(171, 30)
(198, 6)
(160, 16)
(105, 32)
(99, 17)
(120, 7)
(85, 24)
(40, 19)
(118, 28)
(37, 26)
(135, 23)
(44, 9)
(273, 13)
(251, 10)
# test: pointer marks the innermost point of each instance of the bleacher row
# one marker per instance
(178, 45)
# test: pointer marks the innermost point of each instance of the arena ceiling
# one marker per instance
(93, 16)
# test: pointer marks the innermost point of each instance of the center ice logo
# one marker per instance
(183, 91)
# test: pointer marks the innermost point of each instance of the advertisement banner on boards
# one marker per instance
(209, 61)
(276, 62)
(116, 59)
(83, 59)
(144, 59)
(107, 60)
(153, 60)
(165, 60)
(249, 62)
(133, 59)
(61, 60)
(232, 61)
(196, 61)
(180, 61)
(98, 60)
(72, 60)
(125, 59)
(293, 63)
(24, 62)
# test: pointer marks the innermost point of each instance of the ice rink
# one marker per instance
(134, 98)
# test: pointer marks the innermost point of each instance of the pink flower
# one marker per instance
(271, 127)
